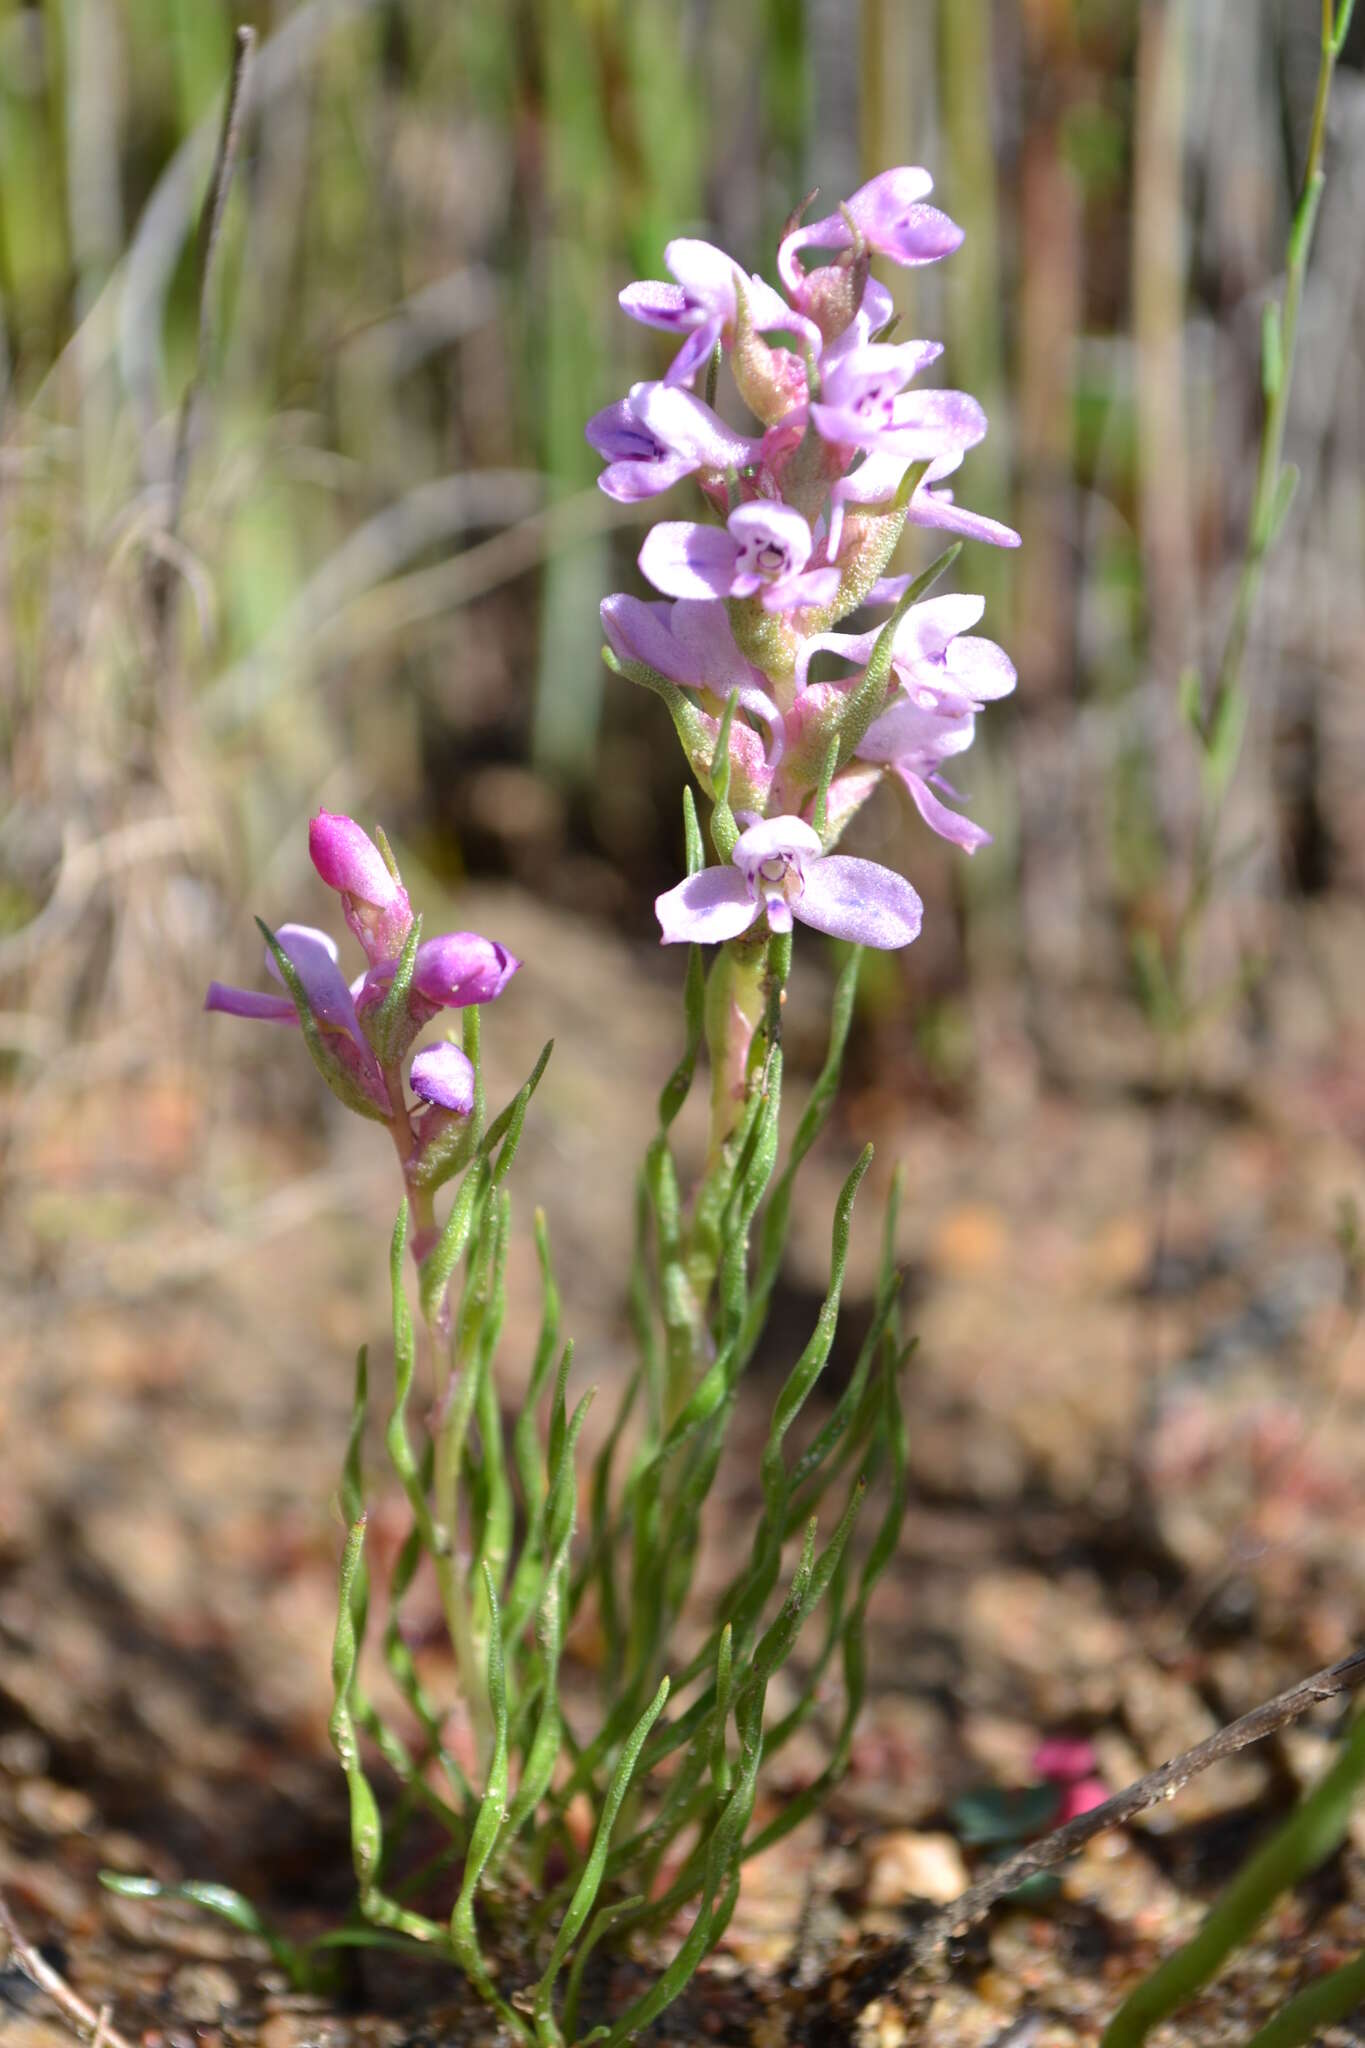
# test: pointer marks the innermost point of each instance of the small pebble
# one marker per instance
(909, 1865)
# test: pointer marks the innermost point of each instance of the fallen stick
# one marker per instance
(1162, 1783)
(874, 1973)
(68, 2002)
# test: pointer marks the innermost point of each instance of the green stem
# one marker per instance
(1223, 712)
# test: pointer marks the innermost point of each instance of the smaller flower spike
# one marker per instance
(762, 551)
(777, 867)
(659, 434)
(373, 901)
(443, 1075)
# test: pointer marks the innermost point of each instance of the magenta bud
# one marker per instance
(444, 1075)
(373, 901)
(460, 968)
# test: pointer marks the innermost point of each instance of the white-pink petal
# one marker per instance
(860, 901)
(707, 908)
(685, 559)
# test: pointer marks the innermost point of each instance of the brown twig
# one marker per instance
(68, 2002)
(1162, 1783)
(875, 1972)
(210, 232)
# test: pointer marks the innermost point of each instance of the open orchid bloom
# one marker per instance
(876, 481)
(914, 744)
(659, 434)
(314, 959)
(938, 664)
(889, 214)
(779, 869)
(702, 305)
(864, 404)
(761, 551)
(691, 643)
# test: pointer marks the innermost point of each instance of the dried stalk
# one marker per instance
(68, 2002)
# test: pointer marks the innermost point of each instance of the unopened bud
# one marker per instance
(373, 899)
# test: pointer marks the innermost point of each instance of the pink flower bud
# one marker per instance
(373, 901)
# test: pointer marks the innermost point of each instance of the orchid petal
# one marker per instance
(765, 522)
(657, 304)
(456, 969)
(936, 510)
(786, 838)
(314, 958)
(687, 426)
(708, 907)
(950, 825)
(684, 559)
(860, 901)
(695, 352)
(250, 1002)
(629, 482)
(983, 671)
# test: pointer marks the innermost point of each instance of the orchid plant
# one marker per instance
(803, 514)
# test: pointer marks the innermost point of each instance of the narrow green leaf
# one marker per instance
(1295, 1848)
(506, 1128)
(693, 850)
(392, 1030)
(603, 1921)
(366, 1833)
(434, 1274)
(463, 1934)
(228, 1905)
(1320, 2005)
(586, 1890)
(724, 830)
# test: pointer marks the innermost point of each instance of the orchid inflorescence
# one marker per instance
(806, 514)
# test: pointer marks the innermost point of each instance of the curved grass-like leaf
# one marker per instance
(585, 1892)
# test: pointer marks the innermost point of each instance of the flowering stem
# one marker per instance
(1222, 722)
(735, 1000)
(454, 1387)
